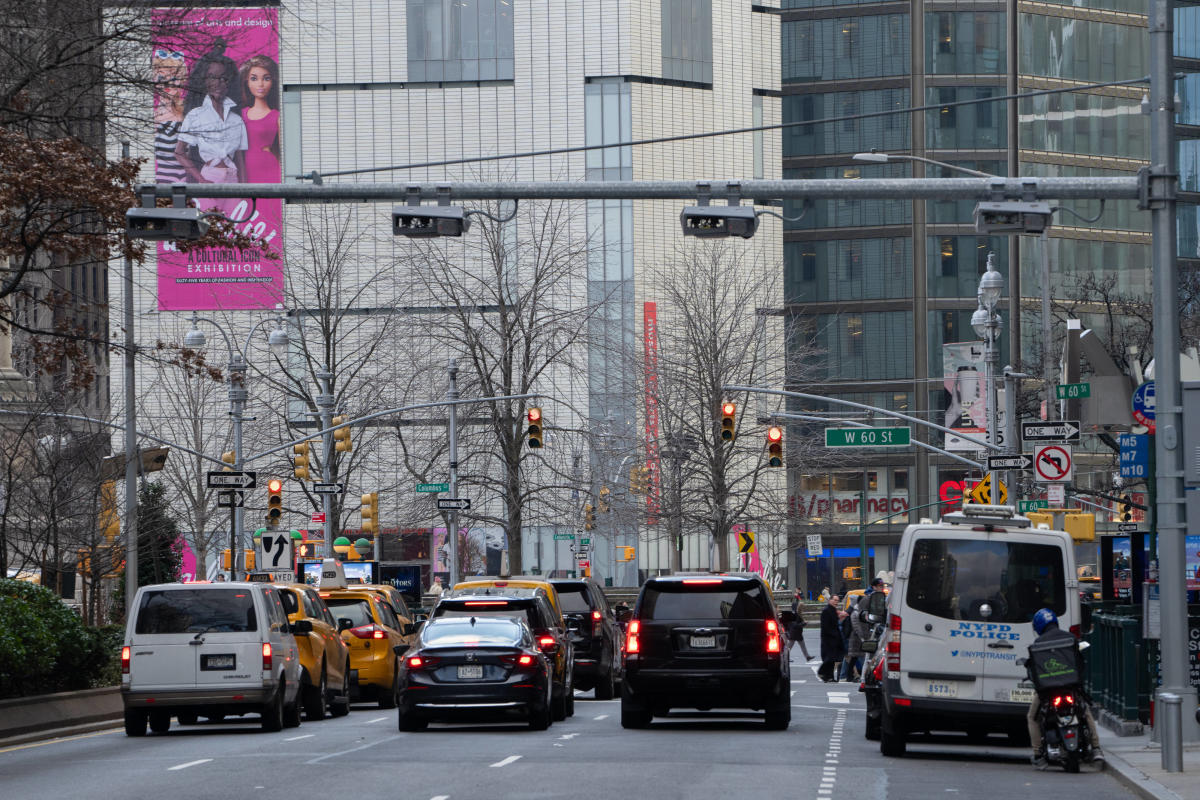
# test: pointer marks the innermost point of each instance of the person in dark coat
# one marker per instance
(833, 648)
(795, 629)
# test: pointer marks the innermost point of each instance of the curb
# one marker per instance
(61, 733)
(1136, 780)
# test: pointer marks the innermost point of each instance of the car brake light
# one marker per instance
(702, 580)
(125, 660)
(545, 642)
(325, 594)
(596, 615)
(772, 636)
(893, 645)
(525, 661)
(415, 662)
(878, 671)
(512, 659)
(371, 631)
(1076, 631)
(266, 651)
(485, 603)
(631, 637)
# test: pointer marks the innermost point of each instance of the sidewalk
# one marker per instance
(1137, 763)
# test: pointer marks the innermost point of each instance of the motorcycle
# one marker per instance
(1062, 715)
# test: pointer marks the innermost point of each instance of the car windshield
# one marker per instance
(196, 610)
(704, 602)
(956, 578)
(353, 609)
(449, 631)
(573, 598)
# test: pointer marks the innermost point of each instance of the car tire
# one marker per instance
(892, 742)
(571, 700)
(292, 712)
(558, 706)
(187, 717)
(315, 700)
(779, 713)
(606, 686)
(160, 721)
(272, 712)
(339, 706)
(411, 721)
(634, 713)
(135, 722)
(391, 697)
(539, 718)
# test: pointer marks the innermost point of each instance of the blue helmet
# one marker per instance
(1043, 619)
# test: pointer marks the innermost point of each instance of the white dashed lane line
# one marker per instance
(505, 762)
(298, 738)
(838, 697)
(602, 716)
(441, 797)
(190, 764)
(377, 719)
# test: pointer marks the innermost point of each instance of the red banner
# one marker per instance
(653, 465)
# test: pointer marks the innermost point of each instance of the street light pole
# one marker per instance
(452, 525)
(325, 404)
(132, 457)
(986, 322)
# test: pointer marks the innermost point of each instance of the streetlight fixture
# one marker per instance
(875, 157)
(341, 546)
(986, 322)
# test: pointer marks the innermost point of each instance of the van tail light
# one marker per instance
(1076, 631)
(893, 645)
(371, 631)
(632, 645)
(125, 660)
(266, 651)
(772, 636)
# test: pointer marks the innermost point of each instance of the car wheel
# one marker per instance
(558, 706)
(187, 717)
(605, 687)
(892, 742)
(571, 701)
(779, 713)
(539, 718)
(291, 713)
(391, 697)
(872, 729)
(272, 712)
(634, 713)
(314, 700)
(339, 706)
(411, 721)
(160, 721)
(135, 722)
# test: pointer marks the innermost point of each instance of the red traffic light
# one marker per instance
(729, 409)
(535, 415)
(774, 434)
(274, 485)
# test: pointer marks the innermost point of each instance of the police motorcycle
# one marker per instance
(1055, 668)
(873, 668)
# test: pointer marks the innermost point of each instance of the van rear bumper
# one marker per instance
(194, 696)
(930, 713)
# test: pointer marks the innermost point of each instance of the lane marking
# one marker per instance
(441, 797)
(385, 740)
(505, 762)
(602, 716)
(568, 736)
(29, 745)
(189, 764)
(377, 719)
(826, 708)
(298, 738)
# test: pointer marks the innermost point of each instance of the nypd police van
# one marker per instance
(960, 616)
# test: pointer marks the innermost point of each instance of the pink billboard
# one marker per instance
(216, 120)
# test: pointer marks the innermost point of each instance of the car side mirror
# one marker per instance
(302, 626)
(345, 624)
(400, 649)
(409, 628)
(420, 618)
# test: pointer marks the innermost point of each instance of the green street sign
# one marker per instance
(585, 540)
(854, 529)
(563, 537)
(1031, 505)
(1072, 391)
(433, 487)
(868, 437)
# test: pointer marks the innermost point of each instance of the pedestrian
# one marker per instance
(435, 588)
(823, 596)
(876, 586)
(795, 630)
(832, 647)
(859, 632)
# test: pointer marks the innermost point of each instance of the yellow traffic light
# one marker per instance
(603, 504)
(341, 435)
(110, 520)
(535, 427)
(370, 512)
(728, 421)
(300, 461)
(639, 479)
(775, 446)
(274, 501)
(627, 553)
(248, 555)
(1040, 518)
(1081, 526)
(230, 458)
(1126, 508)
(589, 517)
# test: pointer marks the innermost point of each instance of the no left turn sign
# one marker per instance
(1052, 463)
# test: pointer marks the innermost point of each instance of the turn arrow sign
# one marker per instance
(745, 541)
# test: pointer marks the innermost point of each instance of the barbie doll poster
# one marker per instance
(216, 119)
(966, 403)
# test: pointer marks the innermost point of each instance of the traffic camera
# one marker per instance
(341, 435)
(535, 427)
(728, 420)
(1011, 217)
(370, 512)
(422, 222)
(775, 446)
(718, 221)
(274, 501)
(162, 224)
(300, 461)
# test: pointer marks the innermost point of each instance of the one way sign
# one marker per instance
(1063, 431)
(745, 541)
(1020, 461)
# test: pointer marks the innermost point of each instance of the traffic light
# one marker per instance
(110, 520)
(274, 501)
(305, 549)
(589, 517)
(639, 480)
(728, 419)
(535, 426)
(1126, 508)
(248, 555)
(370, 512)
(627, 553)
(775, 446)
(603, 505)
(230, 458)
(300, 461)
(341, 435)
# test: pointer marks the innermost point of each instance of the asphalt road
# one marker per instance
(688, 755)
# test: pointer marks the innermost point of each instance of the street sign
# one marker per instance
(982, 493)
(1052, 463)
(274, 551)
(1021, 461)
(581, 556)
(564, 537)
(868, 437)
(218, 479)
(745, 541)
(585, 541)
(433, 487)
(329, 488)
(1063, 431)
(584, 564)
(453, 503)
(1072, 391)
(1135, 455)
(231, 498)
(1144, 405)
(318, 517)
(813, 544)
(1127, 527)
(1056, 494)
(1024, 506)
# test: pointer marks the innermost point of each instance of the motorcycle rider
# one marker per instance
(1045, 625)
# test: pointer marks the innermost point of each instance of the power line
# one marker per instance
(728, 132)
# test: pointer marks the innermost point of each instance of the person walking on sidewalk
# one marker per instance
(795, 630)
(833, 649)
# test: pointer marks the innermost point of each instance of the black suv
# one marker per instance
(594, 634)
(705, 641)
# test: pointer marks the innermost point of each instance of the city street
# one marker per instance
(822, 755)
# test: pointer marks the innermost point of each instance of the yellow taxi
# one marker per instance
(324, 656)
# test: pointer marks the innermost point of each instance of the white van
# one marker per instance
(208, 649)
(960, 615)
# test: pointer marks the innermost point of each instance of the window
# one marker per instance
(668, 601)
(808, 266)
(945, 35)
(948, 115)
(196, 611)
(849, 39)
(687, 50)
(854, 334)
(949, 257)
(460, 40)
(573, 599)
(949, 327)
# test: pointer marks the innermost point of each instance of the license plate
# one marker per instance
(1021, 696)
(703, 641)
(470, 671)
(218, 662)
(941, 689)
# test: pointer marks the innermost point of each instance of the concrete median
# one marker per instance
(24, 719)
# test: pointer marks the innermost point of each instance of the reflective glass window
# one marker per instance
(850, 47)
(842, 213)
(459, 40)
(1081, 50)
(864, 346)
(857, 269)
(956, 262)
(1089, 124)
(885, 132)
(971, 43)
(963, 123)
(687, 50)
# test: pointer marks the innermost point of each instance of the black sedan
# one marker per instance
(471, 668)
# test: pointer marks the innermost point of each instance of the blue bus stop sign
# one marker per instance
(1143, 405)
(1135, 455)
